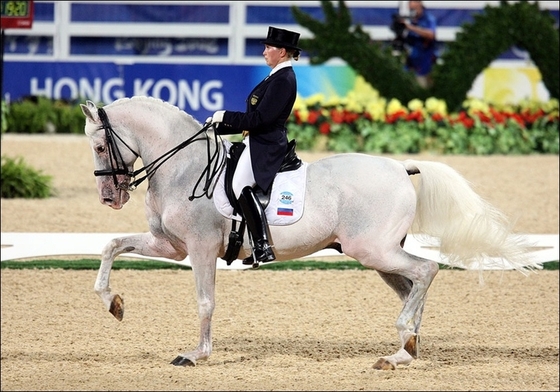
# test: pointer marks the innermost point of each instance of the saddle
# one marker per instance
(291, 162)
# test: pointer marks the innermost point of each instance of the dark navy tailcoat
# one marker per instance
(268, 107)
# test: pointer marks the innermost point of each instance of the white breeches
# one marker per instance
(243, 175)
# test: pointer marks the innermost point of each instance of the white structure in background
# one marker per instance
(94, 47)
(31, 245)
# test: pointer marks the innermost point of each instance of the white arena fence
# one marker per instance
(30, 245)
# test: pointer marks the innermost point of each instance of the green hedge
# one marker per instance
(515, 130)
(492, 32)
(19, 180)
(478, 43)
(43, 115)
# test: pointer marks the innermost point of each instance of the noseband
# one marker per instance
(118, 165)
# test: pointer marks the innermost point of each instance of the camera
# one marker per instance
(398, 27)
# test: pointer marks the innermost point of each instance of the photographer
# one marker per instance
(419, 35)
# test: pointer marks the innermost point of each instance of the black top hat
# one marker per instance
(281, 38)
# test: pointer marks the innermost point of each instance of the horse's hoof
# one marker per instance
(383, 364)
(182, 361)
(411, 346)
(117, 307)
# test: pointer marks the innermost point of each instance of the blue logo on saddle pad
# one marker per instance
(286, 198)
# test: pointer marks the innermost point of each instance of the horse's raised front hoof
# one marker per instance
(383, 364)
(411, 346)
(117, 307)
(182, 361)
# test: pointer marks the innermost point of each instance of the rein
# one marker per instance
(211, 170)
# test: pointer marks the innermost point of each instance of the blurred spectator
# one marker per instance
(420, 40)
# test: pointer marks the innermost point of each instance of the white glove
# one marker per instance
(218, 116)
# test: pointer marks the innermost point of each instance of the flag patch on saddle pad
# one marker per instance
(285, 212)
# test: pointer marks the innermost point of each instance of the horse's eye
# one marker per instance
(100, 149)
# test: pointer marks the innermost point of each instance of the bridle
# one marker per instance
(115, 156)
(118, 165)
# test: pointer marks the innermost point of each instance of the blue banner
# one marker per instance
(197, 89)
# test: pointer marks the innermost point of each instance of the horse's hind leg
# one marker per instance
(402, 286)
(398, 283)
(411, 285)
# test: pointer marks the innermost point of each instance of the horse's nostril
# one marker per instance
(108, 200)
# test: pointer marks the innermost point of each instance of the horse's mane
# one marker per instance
(152, 100)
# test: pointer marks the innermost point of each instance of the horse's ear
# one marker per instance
(90, 111)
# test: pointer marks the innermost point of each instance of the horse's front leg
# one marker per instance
(144, 244)
(204, 269)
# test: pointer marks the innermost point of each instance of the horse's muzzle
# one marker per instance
(114, 197)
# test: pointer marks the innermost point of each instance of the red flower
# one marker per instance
(392, 118)
(415, 116)
(313, 116)
(532, 117)
(483, 117)
(500, 118)
(437, 117)
(325, 128)
(467, 122)
(350, 117)
(458, 118)
(462, 118)
(297, 117)
(519, 119)
(337, 116)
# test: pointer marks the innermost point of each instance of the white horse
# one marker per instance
(364, 205)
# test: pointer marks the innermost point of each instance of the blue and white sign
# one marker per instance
(198, 89)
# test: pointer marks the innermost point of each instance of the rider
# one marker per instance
(265, 135)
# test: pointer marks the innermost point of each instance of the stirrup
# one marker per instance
(262, 254)
(250, 261)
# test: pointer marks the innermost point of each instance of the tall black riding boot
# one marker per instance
(257, 225)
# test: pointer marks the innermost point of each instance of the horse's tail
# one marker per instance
(472, 232)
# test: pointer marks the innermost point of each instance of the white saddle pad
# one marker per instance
(286, 198)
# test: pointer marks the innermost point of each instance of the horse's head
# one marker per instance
(112, 157)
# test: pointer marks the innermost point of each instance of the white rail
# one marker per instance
(33, 245)
(62, 29)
